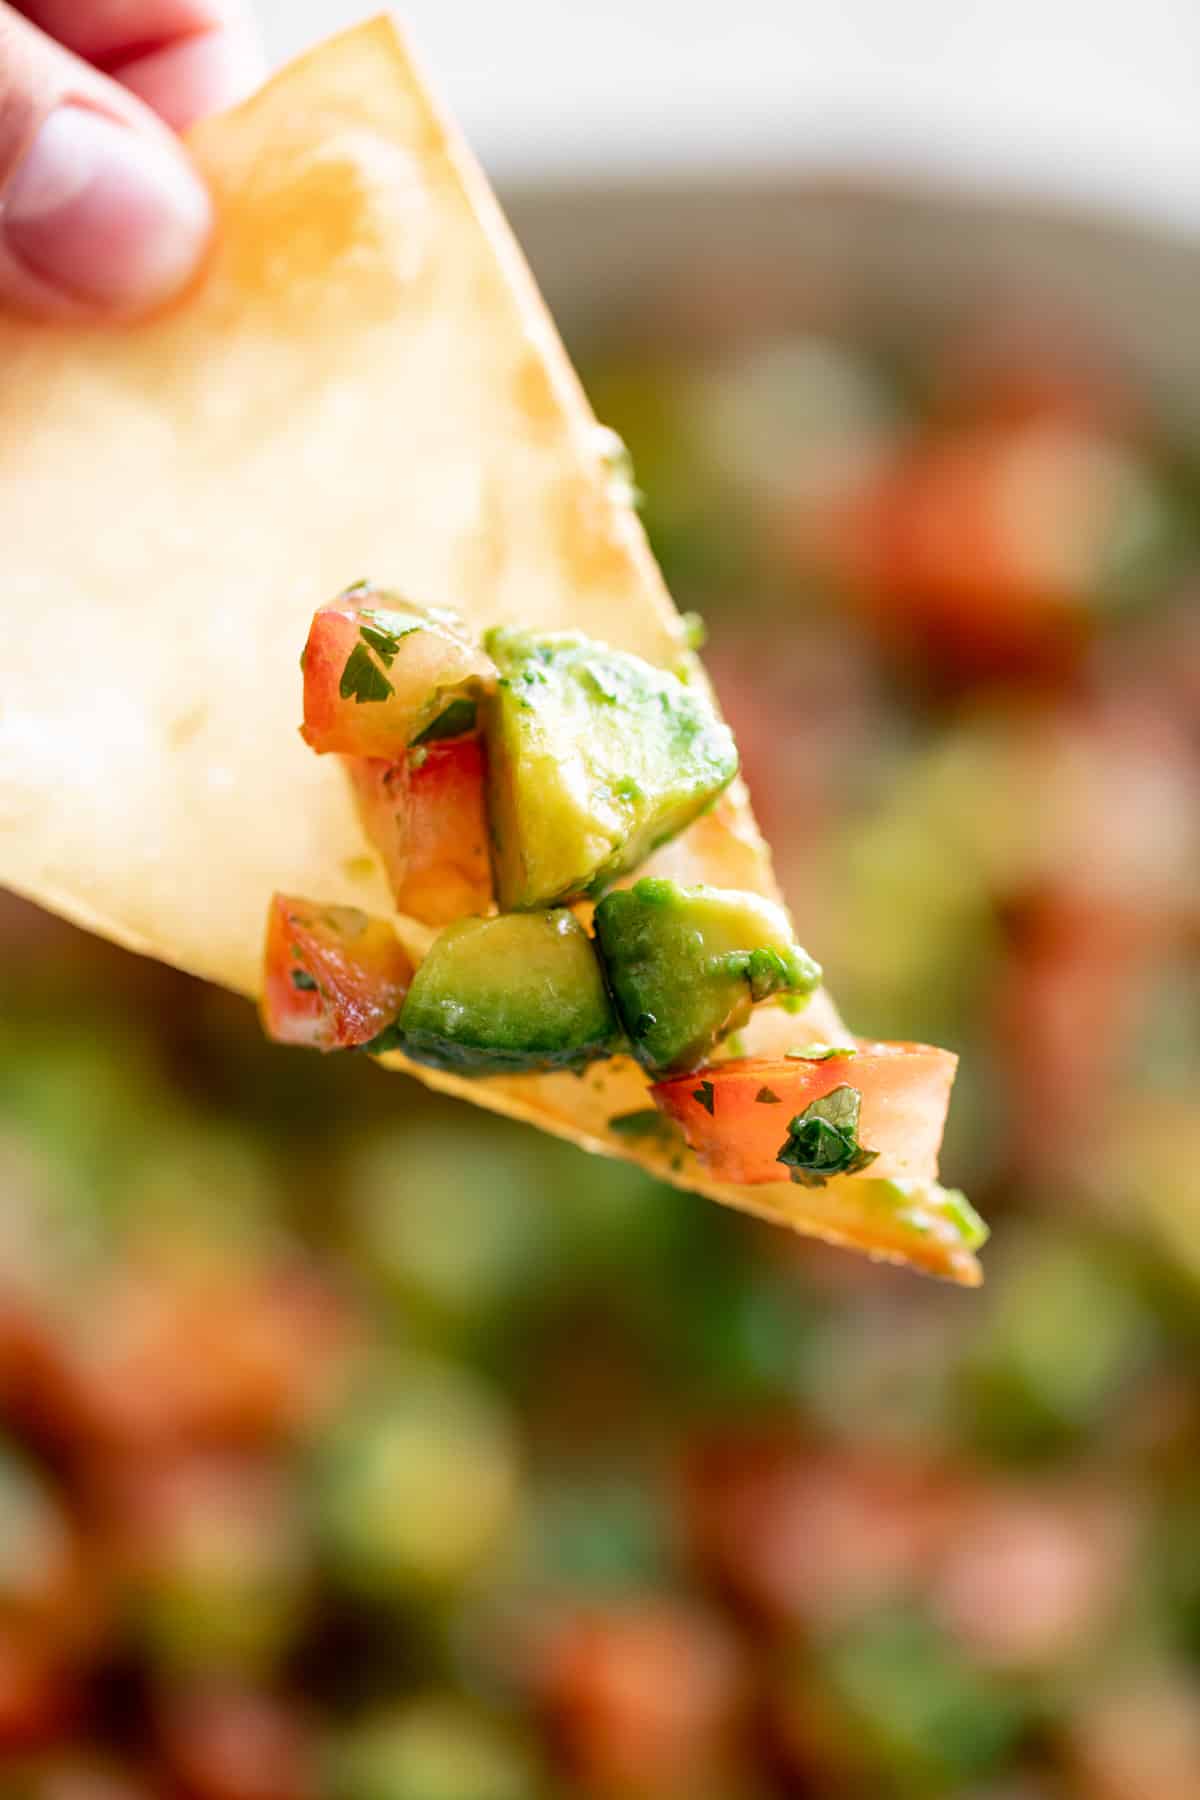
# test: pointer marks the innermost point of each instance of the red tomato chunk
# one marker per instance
(377, 673)
(333, 977)
(424, 813)
(735, 1115)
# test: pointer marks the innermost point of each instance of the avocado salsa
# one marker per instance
(509, 784)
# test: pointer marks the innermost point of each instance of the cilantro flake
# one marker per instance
(823, 1139)
(647, 1122)
(303, 982)
(458, 718)
(362, 680)
(704, 1094)
(958, 1212)
(614, 454)
(695, 631)
(767, 1097)
(820, 1052)
(382, 642)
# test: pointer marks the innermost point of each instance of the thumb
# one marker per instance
(101, 212)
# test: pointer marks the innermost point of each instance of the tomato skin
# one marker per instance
(358, 971)
(905, 1092)
(424, 813)
(331, 723)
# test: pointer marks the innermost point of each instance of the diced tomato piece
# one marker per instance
(730, 1121)
(644, 1696)
(228, 1742)
(987, 551)
(812, 1535)
(425, 815)
(383, 792)
(37, 1693)
(378, 672)
(334, 977)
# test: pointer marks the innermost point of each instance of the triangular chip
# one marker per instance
(364, 383)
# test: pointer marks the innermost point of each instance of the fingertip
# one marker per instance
(101, 217)
(198, 75)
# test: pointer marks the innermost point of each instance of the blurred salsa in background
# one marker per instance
(353, 1444)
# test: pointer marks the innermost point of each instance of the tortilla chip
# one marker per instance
(364, 383)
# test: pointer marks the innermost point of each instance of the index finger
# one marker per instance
(185, 58)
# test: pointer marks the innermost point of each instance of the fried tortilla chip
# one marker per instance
(364, 383)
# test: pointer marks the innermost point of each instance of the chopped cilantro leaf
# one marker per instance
(382, 642)
(695, 631)
(957, 1210)
(647, 1122)
(767, 1097)
(823, 1139)
(303, 982)
(458, 718)
(614, 453)
(362, 680)
(704, 1094)
(819, 1052)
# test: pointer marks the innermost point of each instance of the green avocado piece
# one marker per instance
(595, 758)
(497, 996)
(686, 964)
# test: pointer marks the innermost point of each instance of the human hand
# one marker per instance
(101, 213)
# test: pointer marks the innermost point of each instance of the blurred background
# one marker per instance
(355, 1445)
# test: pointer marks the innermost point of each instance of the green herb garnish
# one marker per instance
(647, 1122)
(695, 631)
(704, 1094)
(303, 982)
(823, 1139)
(362, 679)
(767, 1097)
(819, 1052)
(614, 453)
(458, 718)
(384, 644)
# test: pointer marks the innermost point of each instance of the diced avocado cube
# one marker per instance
(595, 758)
(496, 996)
(686, 964)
